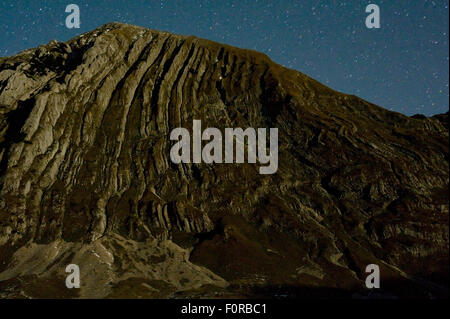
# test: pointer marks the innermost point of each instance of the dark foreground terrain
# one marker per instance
(86, 178)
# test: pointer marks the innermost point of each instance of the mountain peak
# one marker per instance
(85, 171)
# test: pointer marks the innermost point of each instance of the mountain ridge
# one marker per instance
(84, 161)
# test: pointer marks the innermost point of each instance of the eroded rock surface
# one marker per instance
(85, 168)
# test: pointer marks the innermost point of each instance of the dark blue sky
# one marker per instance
(403, 66)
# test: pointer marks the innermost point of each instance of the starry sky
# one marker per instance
(403, 66)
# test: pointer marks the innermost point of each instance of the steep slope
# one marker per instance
(86, 177)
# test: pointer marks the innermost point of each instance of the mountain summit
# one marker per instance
(86, 177)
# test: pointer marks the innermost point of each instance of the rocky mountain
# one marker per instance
(86, 178)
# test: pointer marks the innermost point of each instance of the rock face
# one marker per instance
(86, 177)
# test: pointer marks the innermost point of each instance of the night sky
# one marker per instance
(403, 66)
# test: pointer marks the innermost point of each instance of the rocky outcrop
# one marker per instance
(84, 160)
